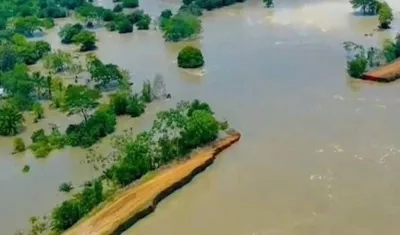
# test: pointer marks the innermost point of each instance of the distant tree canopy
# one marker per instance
(211, 4)
(190, 57)
(385, 15)
(130, 3)
(366, 6)
(268, 3)
(181, 26)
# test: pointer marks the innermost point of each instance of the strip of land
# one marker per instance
(385, 73)
(138, 201)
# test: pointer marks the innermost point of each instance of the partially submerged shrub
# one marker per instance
(26, 169)
(19, 145)
(190, 57)
(65, 187)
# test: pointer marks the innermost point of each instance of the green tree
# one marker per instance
(192, 8)
(181, 26)
(166, 14)
(269, 3)
(19, 85)
(8, 57)
(366, 6)
(190, 57)
(27, 25)
(86, 40)
(201, 128)
(68, 31)
(11, 120)
(104, 74)
(80, 100)
(130, 3)
(357, 67)
(389, 50)
(119, 102)
(124, 26)
(65, 215)
(385, 15)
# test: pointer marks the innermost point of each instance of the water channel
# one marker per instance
(319, 153)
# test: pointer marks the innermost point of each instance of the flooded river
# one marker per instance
(319, 154)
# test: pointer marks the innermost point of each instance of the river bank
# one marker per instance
(140, 200)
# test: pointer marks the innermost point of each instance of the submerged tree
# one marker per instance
(11, 120)
(385, 15)
(80, 100)
(268, 3)
(86, 40)
(181, 26)
(366, 6)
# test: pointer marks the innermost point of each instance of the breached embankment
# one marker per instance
(138, 201)
(386, 73)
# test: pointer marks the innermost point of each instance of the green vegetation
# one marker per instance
(11, 120)
(269, 3)
(70, 211)
(65, 187)
(130, 3)
(118, 8)
(360, 60)
(68, 32)
(367, 6)
(86, 40)
(385, 15)
(42, 144)
(57, 61)
(26, 169)
(192, 8)
(19, 145)
(173, 135)
(38, 112)
(97, 126)
(124, 25)
(103, 74)
(29, 25)
(140, 19)
(180, 26)
(80, 100)
(16, 49)
(210, 5)
(190, 57)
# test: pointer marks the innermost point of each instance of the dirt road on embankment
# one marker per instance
(138, 201)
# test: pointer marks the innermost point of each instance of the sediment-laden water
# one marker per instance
(319, 152)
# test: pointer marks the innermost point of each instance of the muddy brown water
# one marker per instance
(319, 153)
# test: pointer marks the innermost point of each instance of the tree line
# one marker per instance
(173, 135)
(361, 59)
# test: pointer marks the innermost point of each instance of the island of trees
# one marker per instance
(190, 57)
(373, 7)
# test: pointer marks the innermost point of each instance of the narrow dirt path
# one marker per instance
(137, 202)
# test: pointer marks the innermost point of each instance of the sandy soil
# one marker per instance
(386, 73)
(138, 201)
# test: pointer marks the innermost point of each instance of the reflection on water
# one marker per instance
(319, 153)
